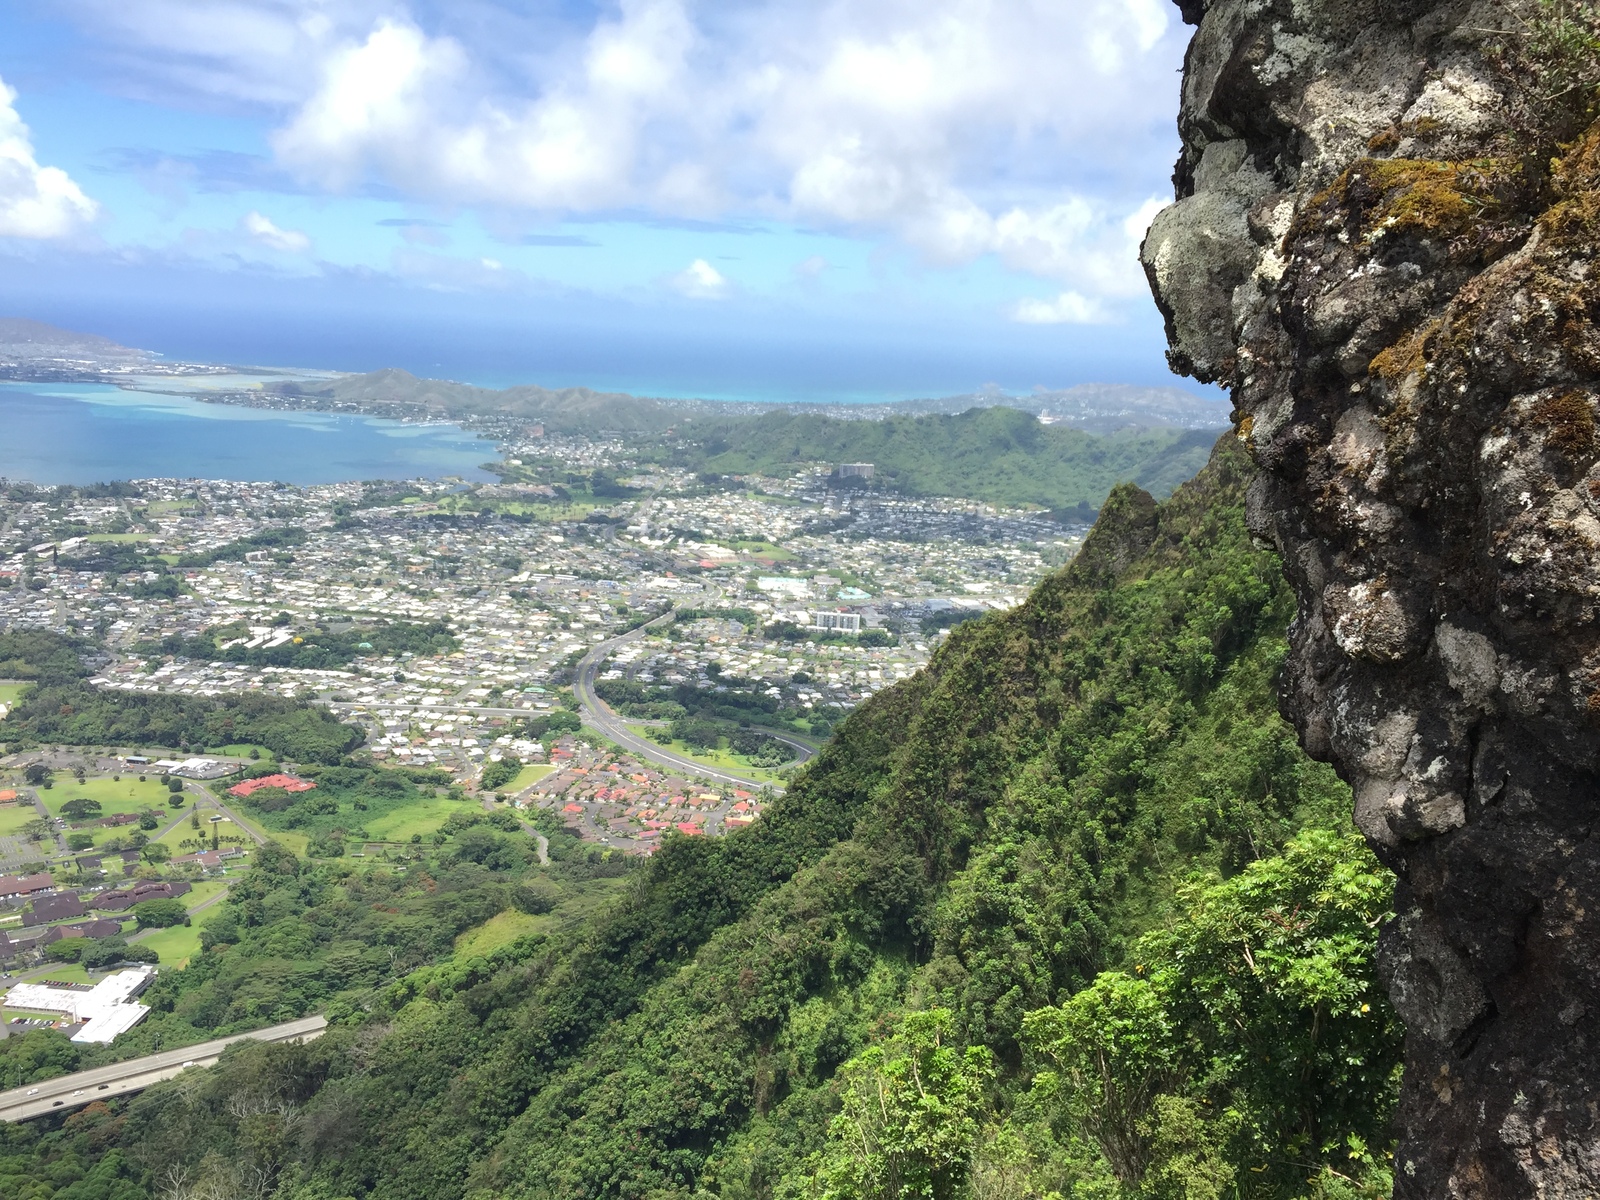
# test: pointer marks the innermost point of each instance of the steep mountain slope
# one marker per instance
(1384, 243)
(1097, 779)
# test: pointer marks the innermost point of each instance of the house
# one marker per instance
(122, 899)
(54, 908)
(13, 886)
(98, 928)
(287, 782)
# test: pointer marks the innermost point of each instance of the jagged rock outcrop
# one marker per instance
(1397, 280)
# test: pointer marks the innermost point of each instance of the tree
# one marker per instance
(82, 809)
(108, 952)
(174, 785)
(912, 1110)
(66, 949)
(36, 774)
(498, 774)
(160, 914)
(155, 853)
(80, 841)
(1113, 1049)
(37, 829)
(148, 822)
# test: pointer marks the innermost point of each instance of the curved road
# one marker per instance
(602, 718)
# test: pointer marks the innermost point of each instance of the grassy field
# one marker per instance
(14, 816)
(527, 777)
(242, 750)
(120, 537)
(722, 760)
(125, 795)
(422, 817)
(500, 930)
(176, 945)
(10, 693)
(181, 942)
(287, 838)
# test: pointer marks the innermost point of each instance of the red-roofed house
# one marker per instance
(690, 828)
(287, 782)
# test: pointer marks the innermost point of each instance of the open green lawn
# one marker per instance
(176, 945)
(423, 817)
(14, 816)
(125, 795)
(242, 750)
(202, 891)
(286, 838)
(527, 777)
(120, 537)
(500, 930)
(722, 760)
(10, 693)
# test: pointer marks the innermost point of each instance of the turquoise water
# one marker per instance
(93, 433)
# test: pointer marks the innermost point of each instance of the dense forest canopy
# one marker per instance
(1068, 912)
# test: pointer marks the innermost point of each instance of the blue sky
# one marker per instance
(764, 198)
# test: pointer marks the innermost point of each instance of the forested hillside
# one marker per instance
(998, 454)
(1068, 912)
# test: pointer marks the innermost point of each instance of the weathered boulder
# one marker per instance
(1397, 279)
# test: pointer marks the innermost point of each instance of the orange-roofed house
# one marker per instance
(287, 782)
(689, 828)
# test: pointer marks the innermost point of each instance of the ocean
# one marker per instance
(94, 433)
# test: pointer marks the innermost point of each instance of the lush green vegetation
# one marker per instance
(1069, 913)
(345, 799)
(64, 708)
(318, 649)
(998, 454)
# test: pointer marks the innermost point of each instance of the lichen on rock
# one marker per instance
(1397, 281)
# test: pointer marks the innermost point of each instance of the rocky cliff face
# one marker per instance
(1397, 280)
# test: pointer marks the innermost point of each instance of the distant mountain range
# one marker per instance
(1101, 408)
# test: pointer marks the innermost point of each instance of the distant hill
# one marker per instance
(1094, 407)
(22, 339)
(997, 454)
(565, 410)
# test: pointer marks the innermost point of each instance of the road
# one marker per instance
(82, 1087)
(595, 713)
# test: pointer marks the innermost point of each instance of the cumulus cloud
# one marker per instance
(1069, 308)
(35, 201)
(961, 127)
(700, 281)
(286, 241)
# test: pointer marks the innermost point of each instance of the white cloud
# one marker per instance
(262, 229)
(960, 127)
(700, 281)
(35, 201)
(1069, 308)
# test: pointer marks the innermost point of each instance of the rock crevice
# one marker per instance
(1399, 286)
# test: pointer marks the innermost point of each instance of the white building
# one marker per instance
(781, 585)
(837, 622)
(106, 1009)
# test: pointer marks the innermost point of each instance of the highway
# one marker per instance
(101, 1083)
(595, 713)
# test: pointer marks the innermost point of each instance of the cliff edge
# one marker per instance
(1384, 245)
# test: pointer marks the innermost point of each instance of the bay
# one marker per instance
(79, 433)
